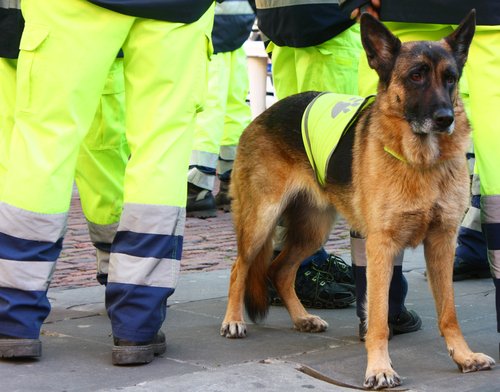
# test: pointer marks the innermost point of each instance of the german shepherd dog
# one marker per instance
(395, 203)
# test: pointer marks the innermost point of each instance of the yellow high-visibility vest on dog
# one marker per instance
(325, 120)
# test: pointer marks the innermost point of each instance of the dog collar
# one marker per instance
(395, 154)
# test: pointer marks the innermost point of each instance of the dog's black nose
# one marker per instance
(443, 118)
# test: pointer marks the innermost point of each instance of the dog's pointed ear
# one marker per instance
(461, 38)
(381, 46)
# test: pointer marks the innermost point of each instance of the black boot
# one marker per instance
(200, 203)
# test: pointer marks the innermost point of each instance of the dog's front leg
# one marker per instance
(234, 325)
(380, 254)
(439, 248)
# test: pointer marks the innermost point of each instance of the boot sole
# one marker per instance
(224, 207)
(472, 275)
(136, 355)
(202, 214)
(20, 348)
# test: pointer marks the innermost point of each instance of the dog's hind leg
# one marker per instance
(307, 229)
(248, 282)
(439, 249)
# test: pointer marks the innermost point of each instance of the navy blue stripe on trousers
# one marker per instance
(492, 233)
(13, 248)
(136, 312)
(148, 245)
(137, 308)
(26, 268)
(22, 313)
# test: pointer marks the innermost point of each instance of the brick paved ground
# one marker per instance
(208, 245)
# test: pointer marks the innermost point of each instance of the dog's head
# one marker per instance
(420, 77)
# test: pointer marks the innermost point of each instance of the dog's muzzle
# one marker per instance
(444, 120)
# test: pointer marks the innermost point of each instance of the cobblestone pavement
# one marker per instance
(209, 244)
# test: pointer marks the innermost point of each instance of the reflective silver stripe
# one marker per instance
(262, 4)
(203, 158)
(10, 4)
(472, 220)
(233, 8)
(476, 185)
(224, 166)
(279, 238)
(102, 261)
(490, 209)
(144, 271)
(152, 219)
(32, 226)
(358, 253)
(228, 153)
(102, 233)
(494, 258)
(26, 275)
(203, 180)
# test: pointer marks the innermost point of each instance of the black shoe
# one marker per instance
(126, 352)
(407, 321)
(200, 203)
(222, 199)
(12, 347)
(463, 269)
(318, 289)
(338, 268)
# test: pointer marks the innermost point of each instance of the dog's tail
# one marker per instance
(256, 290)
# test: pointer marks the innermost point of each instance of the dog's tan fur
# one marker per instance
(395, 204)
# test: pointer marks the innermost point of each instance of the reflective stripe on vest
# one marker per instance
(324, 122)
(10, 4)
(262, 4)
(235, 7)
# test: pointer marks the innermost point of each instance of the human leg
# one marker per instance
(100, 168)
(236, 119)
(207, 137)
(44, 146)
(161, 108)
(7, 103)
(483, 65)
(401, 320)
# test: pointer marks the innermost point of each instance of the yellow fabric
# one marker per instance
(7, 103)
(104, 154)
(226, 113)
(325, 120)
(62, 70)
(331, 66)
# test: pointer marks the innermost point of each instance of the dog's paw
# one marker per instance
(475, 362)
(311, 324)
(234, 329)
(381, 378)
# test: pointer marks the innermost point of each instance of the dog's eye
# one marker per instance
(450, 79)
(416, 77)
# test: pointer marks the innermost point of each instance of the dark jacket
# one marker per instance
(182, 11)
(11, 28)
(440, 11)
(302, 25)
(232, 25)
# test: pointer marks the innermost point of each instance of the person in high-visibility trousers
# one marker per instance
(226, 113)
(104, 152)
(61, 74)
